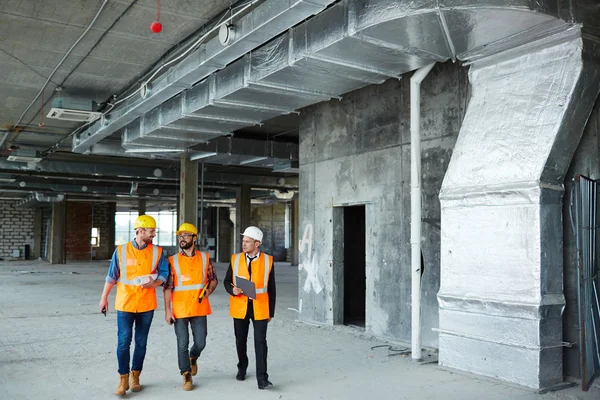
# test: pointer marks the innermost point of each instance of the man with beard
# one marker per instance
(256, 266)
(134, 303)
(191, 280)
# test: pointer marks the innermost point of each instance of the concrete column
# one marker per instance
(225, 245)
(112, 210)
(37, 234)
(141, 206)
(56, 254)
(242, 214)
(188, 192)
(295, 227)
(501, 293)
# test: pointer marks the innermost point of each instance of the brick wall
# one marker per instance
(104, 220)
(78, 229)
(16, 227)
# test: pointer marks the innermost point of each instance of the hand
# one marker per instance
(269, 320)
(169, 317)
(103, 304)
(150, 285)
(237, 290)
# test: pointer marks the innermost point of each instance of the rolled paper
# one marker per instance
(142, 280)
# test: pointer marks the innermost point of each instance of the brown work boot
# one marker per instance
(194, 365)
(123, 385)
(187, 381)
(135, 381)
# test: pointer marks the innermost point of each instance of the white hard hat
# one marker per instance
(254, 233)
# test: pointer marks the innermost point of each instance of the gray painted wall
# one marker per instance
(357, 151)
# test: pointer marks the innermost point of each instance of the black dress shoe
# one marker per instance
(241, 375)
(264, 384)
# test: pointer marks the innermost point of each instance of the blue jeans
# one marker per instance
(199, 330)
(125, 321)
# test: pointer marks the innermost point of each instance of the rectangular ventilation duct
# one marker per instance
(265, 22)
(25, 156)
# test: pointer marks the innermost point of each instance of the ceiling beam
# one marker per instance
(92, 170)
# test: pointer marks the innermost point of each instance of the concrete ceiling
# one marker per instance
(113, 56)
(35, 35)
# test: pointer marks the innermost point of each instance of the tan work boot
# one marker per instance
(123, 385)
(135, 381)
(194, 365)
(187, 381)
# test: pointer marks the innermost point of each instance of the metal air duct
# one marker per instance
(352, 44)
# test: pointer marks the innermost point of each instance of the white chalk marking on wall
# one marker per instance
(307, 239)
(312, 277)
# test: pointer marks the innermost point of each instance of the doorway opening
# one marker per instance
(354, 266)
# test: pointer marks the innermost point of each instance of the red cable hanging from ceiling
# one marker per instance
(156, 26)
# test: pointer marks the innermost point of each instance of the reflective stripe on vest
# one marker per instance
(266, 278)
(181, 288)
(123, 275)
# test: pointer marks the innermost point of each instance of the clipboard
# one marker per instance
(247, 287)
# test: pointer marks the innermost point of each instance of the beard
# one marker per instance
(147, 240)
(186, 245)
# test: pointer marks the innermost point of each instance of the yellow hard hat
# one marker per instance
(187, 227)
(145, 221)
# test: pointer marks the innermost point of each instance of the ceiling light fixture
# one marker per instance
(154, 150)
(201, 155)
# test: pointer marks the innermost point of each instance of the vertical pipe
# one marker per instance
(579, 242)
(91, 245)
(415, 204)
(218, 237)
(596, 297)
(595, 336)
(201, 230)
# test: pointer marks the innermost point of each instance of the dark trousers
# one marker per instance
(198, 325)
(240, 327)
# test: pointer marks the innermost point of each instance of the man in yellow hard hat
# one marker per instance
(257, 267)
(137, 268)
(192, 279)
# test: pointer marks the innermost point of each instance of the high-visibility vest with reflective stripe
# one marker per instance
(133, 263)
(261, 267)
(190, 276)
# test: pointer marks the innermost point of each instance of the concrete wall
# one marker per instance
(586, 161)
(357, 151)
(16, 227)
(271, 220)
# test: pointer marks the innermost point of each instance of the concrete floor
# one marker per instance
(54, 344)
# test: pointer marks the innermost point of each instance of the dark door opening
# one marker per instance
(354, 266)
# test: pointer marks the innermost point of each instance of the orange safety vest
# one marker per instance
(133, 263)
(261, 268)
(190, 277)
